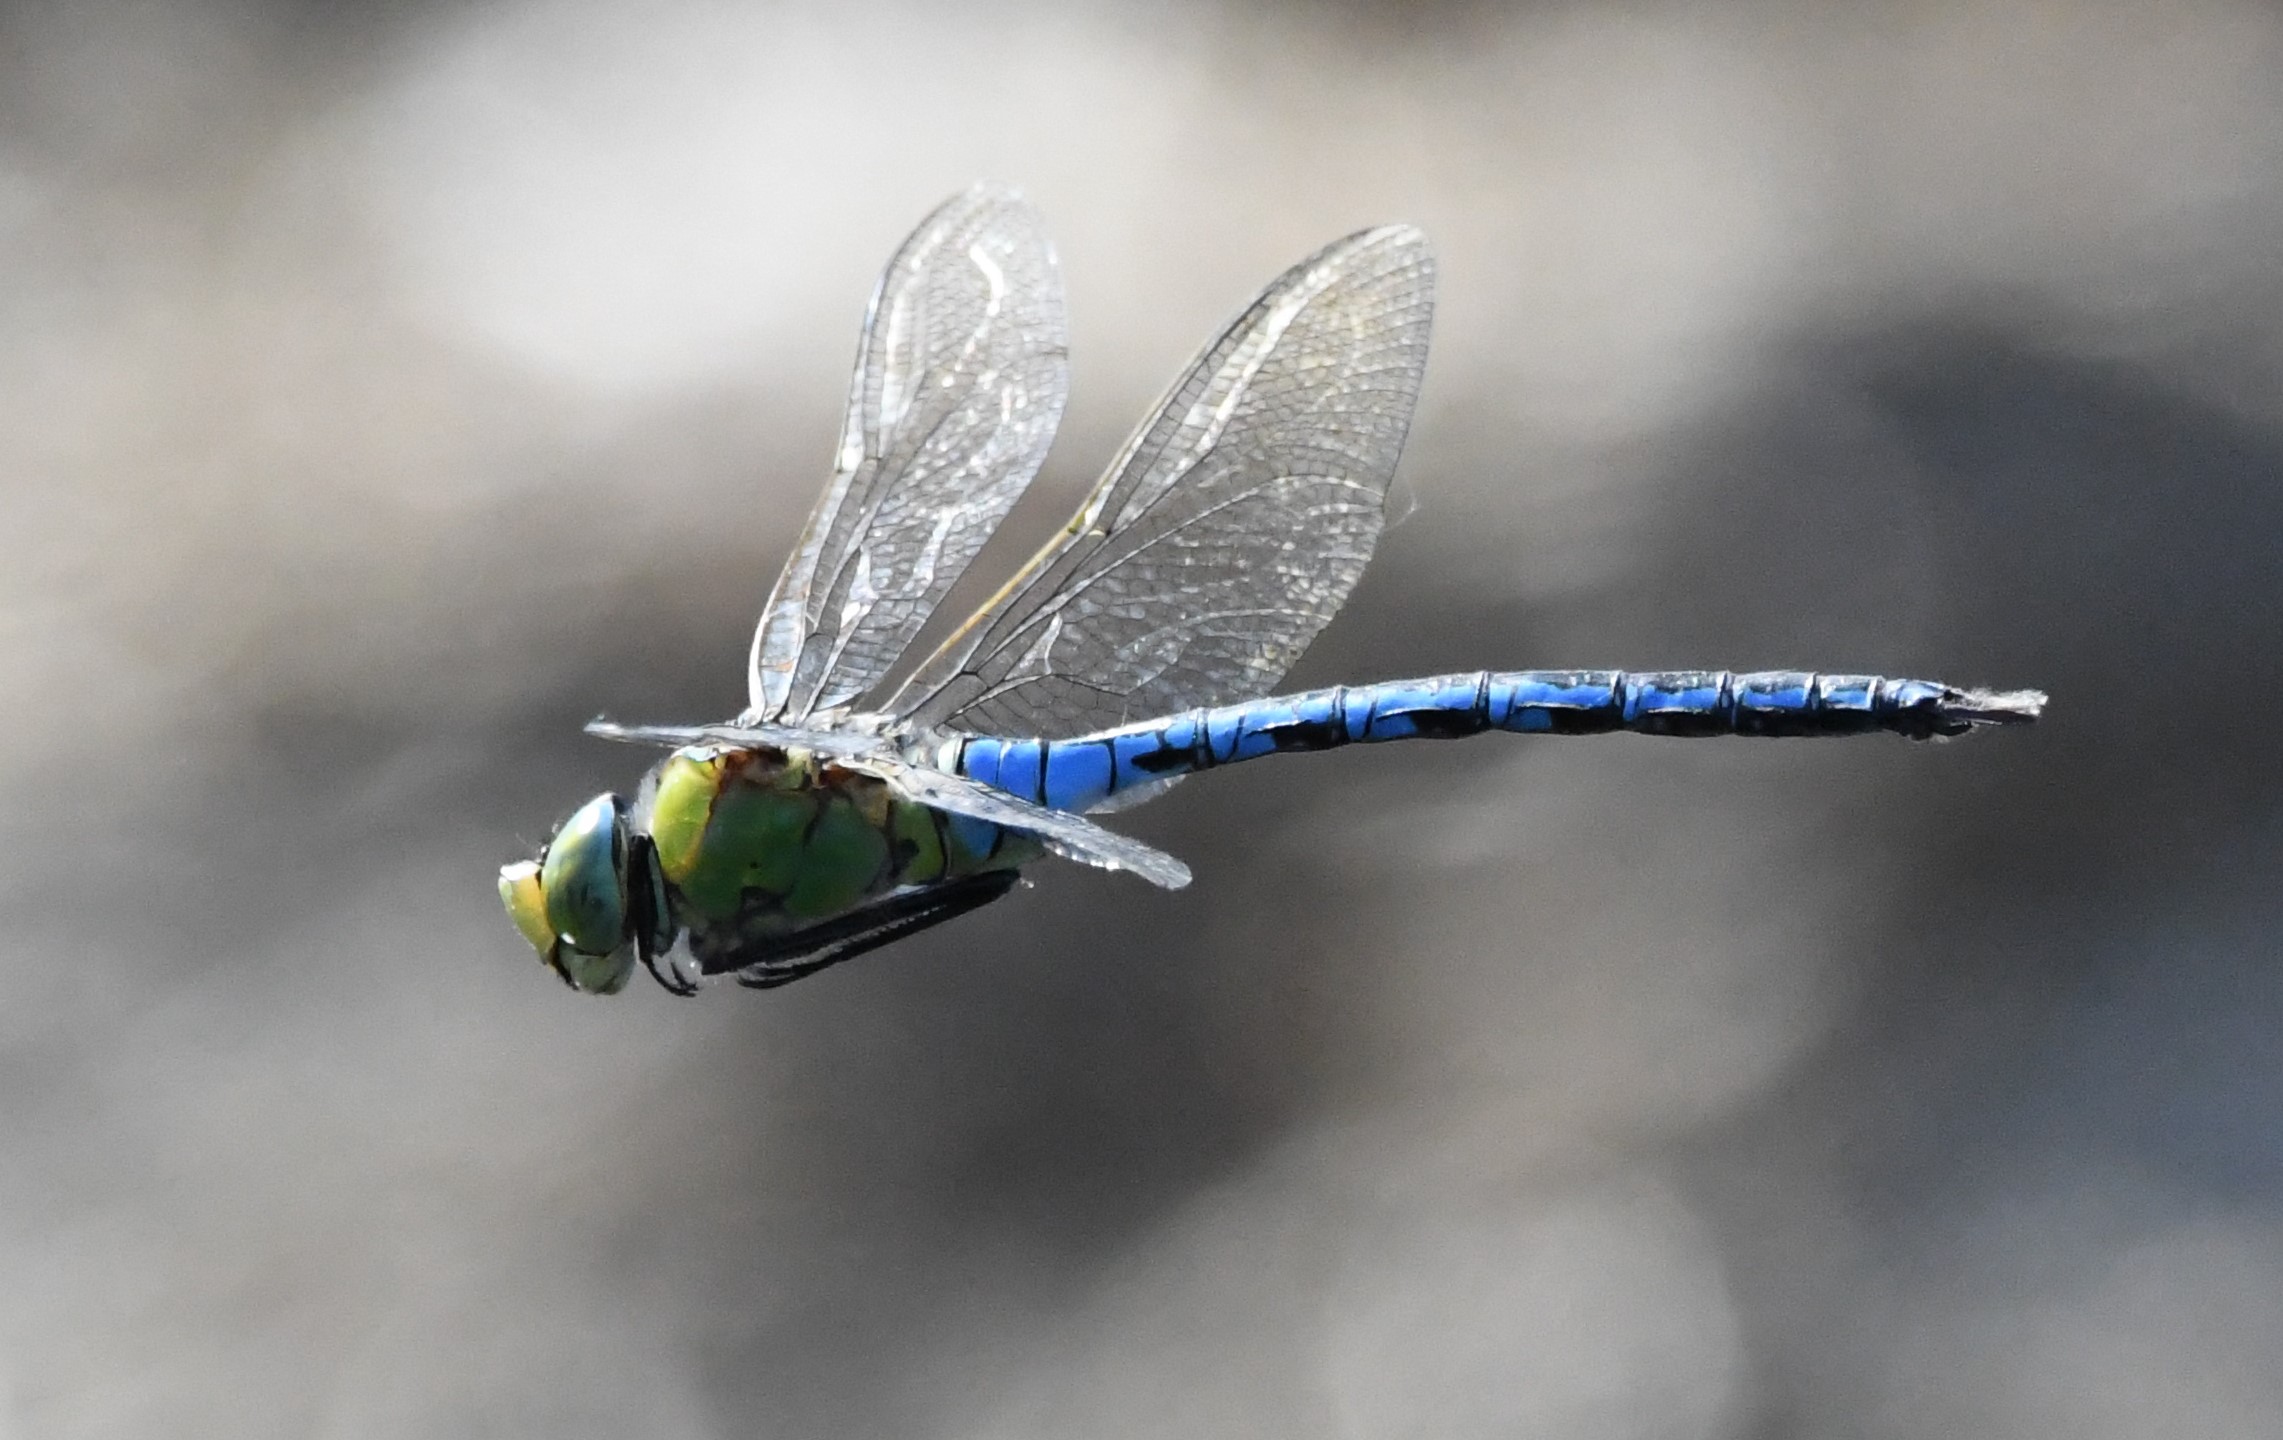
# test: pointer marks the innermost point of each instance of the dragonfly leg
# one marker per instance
(804, 952)
(673, 970)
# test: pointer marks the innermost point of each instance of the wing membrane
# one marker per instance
(1066, 835)
(960, 380)
(838, 744)
(1231, 527)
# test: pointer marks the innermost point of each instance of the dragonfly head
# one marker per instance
(590, 899)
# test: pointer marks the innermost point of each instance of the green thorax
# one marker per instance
(763, 842)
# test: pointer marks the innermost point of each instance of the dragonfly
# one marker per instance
(859, 799)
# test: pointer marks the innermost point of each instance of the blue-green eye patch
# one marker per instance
(584, 878)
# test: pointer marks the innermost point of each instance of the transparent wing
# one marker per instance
(1231, 527)
(960, 379)
(1066, 835)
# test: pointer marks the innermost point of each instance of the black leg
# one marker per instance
(804, 952)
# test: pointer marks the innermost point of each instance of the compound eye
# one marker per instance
(583, 878)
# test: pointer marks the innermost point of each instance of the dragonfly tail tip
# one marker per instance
(1997, 707)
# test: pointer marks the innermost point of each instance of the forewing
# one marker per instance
(1231, 527)
(837, 744)
(960, 379)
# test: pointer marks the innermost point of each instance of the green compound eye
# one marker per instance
(584, 878)
(573, 903)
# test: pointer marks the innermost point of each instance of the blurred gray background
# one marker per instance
(385, 390)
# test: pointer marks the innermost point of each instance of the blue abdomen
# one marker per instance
(1080, 773)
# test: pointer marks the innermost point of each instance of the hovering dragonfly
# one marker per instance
(839, 812)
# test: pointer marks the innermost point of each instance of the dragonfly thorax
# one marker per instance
(755, 844)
